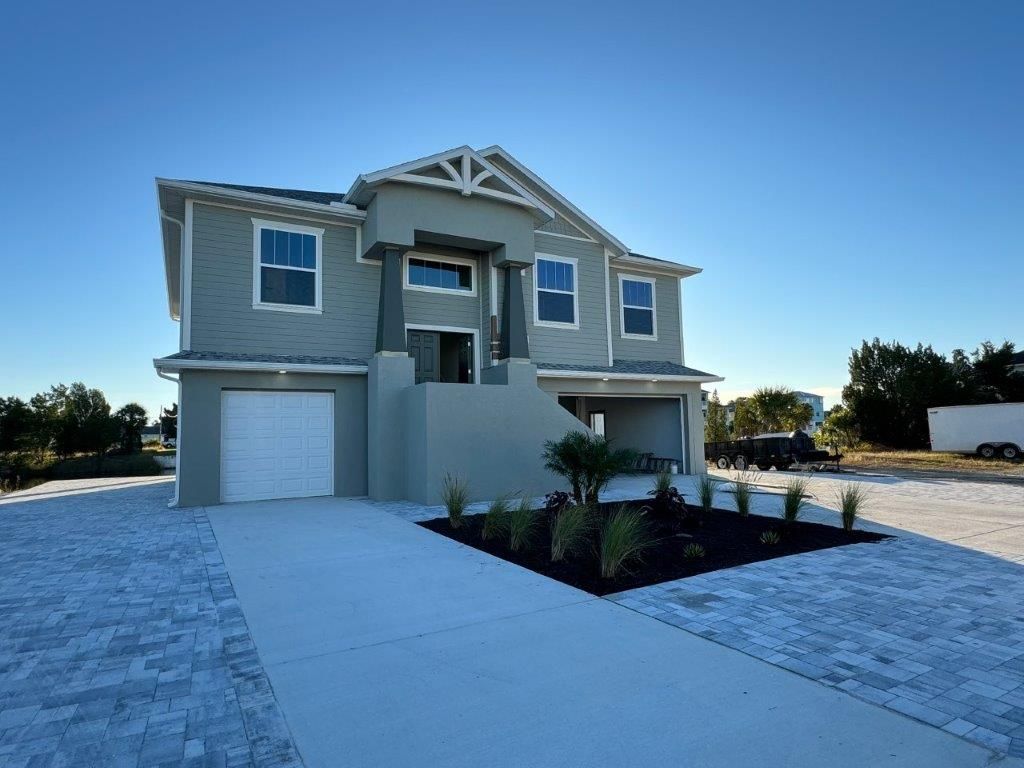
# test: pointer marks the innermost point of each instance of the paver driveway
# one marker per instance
(389, 645)
(121, 641)
(930, 625)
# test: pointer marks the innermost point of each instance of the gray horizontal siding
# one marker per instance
(667, 346)
(588, 345)
(223, 319)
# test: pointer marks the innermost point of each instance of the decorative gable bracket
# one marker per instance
(461, 170)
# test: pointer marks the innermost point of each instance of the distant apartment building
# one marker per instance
(817, 402)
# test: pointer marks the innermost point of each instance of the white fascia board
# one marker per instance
(251, 365)
(558, 374)
(658, 267)
(564, 202)
(354, 215)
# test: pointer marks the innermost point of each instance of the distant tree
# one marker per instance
(46, 411)
(771, 409)
(131, 420)
(716, 426)
(996, 382)
(838, 429)
(15, 425)
(891, 389)
(85, 424)
(169, 422)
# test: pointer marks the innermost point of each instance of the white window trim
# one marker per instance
(575, 292)
(318, 232)
(653, 308)
(471, 263)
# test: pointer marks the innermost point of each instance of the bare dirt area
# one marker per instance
(934, 464)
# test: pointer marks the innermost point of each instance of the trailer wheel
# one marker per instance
(1010, 451)
(986, 451)
(740, 463)
(723, 462)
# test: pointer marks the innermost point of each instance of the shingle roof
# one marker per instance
(642, 367)
(236, 357)
(654, 258)
(308, 196)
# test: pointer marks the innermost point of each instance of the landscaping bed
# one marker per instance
(728, 539)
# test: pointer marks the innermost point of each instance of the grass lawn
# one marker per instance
(930, 461)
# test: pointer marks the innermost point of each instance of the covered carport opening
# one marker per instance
(654, 426)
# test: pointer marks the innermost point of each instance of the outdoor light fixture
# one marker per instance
(282, 371)
(654, 381)
(604, 378)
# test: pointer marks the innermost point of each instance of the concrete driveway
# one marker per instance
(387, 645)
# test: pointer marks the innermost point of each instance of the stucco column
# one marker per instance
(514, 345)
(390, 311)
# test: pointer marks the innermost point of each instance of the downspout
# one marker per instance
(177, 468)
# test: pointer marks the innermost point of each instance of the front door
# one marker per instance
(425, 349)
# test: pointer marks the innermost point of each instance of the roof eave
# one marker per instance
(563, 374)
(173, 366)
(682, 270)
(255, 197)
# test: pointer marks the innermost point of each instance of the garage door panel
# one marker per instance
(276, 445)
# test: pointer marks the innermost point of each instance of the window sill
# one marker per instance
(290, 308)
(639, 336)
(553, 324)
(448, 291)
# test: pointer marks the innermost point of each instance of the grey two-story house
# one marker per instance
(446, 315)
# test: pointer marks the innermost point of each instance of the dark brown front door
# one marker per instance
(425, 349)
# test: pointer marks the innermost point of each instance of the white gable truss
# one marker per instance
(461, 170)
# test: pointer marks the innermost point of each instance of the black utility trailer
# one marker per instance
(779, 451)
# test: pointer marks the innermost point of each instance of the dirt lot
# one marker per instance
(936, 464)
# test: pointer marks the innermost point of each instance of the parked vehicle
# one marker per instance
(987, 430)
(169, 442)
(779, 451)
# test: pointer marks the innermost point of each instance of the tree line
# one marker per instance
(892, 386)
(68, 420)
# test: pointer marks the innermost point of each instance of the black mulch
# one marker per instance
(728, 540)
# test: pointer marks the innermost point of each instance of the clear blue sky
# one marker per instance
(840, 171)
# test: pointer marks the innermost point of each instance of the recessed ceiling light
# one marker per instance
(604, 378)
(654, 380)
(282, 371)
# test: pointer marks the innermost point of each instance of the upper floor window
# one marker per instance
(446, 274)
(638, 316)
(556, 299)
(287, 272)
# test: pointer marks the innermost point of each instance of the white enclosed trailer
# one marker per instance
(988, 430)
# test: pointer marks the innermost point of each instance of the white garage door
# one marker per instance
(276, 445)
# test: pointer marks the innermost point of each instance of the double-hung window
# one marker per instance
(287, 268)
(556, 296)
(638, 316)
(447, 274)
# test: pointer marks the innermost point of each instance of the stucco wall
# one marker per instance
(490, 435)
(199, 430)
(645, 424)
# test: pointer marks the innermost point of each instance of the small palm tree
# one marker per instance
(565, 457)
(601, 463)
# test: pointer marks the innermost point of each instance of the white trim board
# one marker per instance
(471, 263)
(651, 281)
(342, 211)
(575, 325)
(254, 365)
(185, 270)
(257, 265)
(549, 373)
(474, 332)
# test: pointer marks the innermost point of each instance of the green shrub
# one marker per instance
(851, 500)
(455, 495)
(522, 525)
(743, 492)
(129, 465)
(793, 501)
(707, 487)
(588, 462)
(624, 537)
(693, 551)
(570, 531)
(662, 483)
(770, 537)
(496, 519)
